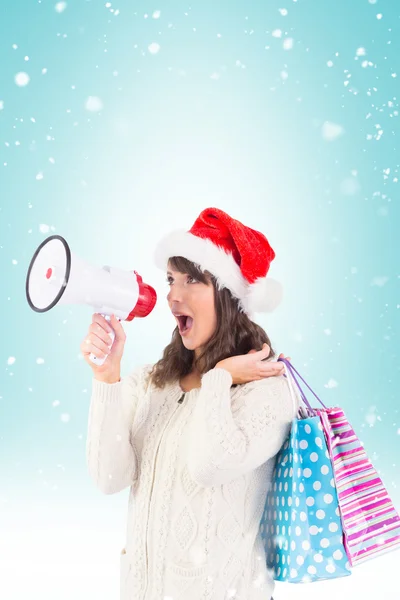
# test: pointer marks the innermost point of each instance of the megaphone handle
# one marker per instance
(100, 361)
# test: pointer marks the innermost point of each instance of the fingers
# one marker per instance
(100, 320)
(102, 328)
(100, 332)
(101, 344)
(98, 349)
(272, 369)
(118, 329)
(94, 343)
(98, 340)
(263, 353)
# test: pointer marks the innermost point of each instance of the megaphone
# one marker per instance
(57, 276)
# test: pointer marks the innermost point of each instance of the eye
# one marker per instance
(169, 280)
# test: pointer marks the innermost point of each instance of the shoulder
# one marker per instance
(277, 384)
(138, 377)
(273, 392)
(140, 370)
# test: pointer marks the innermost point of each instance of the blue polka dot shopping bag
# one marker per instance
(301, 526)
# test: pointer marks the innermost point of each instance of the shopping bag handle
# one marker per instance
(292, 371)
(291, 377)
(293, 396)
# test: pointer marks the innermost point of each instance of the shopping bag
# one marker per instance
(301, 527)
(371, 524)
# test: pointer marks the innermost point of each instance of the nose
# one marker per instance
(176, 295)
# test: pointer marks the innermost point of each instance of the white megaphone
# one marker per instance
(57, 276)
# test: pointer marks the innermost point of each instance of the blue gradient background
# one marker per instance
(223, 115)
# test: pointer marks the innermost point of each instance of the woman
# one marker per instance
(195, 434)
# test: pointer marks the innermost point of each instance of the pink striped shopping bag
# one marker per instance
(371, 524)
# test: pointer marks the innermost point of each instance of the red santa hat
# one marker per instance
(239, 258)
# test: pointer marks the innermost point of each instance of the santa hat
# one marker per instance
(237, 256)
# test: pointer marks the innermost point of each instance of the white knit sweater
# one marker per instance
(199, 465)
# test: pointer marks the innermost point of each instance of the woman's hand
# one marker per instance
(252, 366)
(98, 341)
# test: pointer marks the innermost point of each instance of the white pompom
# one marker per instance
(264, 295)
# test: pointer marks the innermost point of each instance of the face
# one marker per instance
(195, 300)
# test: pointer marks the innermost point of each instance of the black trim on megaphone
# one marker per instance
(66, 276)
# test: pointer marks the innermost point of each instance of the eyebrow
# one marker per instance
(169, 273)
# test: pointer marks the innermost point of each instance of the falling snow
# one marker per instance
(154, 48)
(331, 131)
(60, 7)
(372, 416)
(379, 281)
(94, 104)
(22, 79)
(332, 383)
(288, 44)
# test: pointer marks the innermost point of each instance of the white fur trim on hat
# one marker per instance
(261, 296)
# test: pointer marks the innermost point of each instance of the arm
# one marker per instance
(111, 458)
(225, 445)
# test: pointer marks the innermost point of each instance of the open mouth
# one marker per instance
(184, 323)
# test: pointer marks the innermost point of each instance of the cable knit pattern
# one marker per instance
(226, 446)
(198, 473)
(113, 466)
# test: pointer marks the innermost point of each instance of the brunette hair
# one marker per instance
(235, 334)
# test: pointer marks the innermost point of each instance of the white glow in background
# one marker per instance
(78, 561)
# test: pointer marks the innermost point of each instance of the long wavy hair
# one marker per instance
(235, 334)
